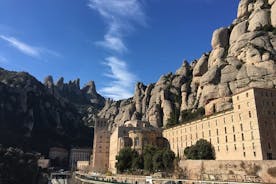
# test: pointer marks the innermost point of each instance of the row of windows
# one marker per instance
(246, 95)
(209, 125)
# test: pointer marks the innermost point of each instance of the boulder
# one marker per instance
(228, 73)
(182, 71)
(238, 30)
(211, 76)
(259, 18)
(252, 55)
(216, 56)
(220, 38)
(201, 66)
(243, 8)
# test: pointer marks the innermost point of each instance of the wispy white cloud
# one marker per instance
(122, 79)
(22, 47)
(120, 16)
(28, 49)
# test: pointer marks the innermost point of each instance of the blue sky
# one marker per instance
(113, 42)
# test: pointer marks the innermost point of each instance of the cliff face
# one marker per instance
(243, 55)
(34, 119)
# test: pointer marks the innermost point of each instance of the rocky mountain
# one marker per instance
(243, 55)
(86, 99)
(71, 92)
(33, 118)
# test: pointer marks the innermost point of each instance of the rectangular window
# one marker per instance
(226, 147)
(243, 147)
(241, 127)
(217, 132)
(235, 147)
(269, 156)
(225, 130)
(234, 138)
(246, 94)
(238, 97)
(244, 154)
(209, 133)
(253, 145)
(249, 114)
(217, 140)
(252, 136)
(239, 107)
(269, 146)
(218, 148)
(226, 140)
(254, 153)
(233, 129)
(242, 137)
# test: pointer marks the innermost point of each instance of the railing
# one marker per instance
(208, 179)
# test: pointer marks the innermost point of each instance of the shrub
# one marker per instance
(202, 150)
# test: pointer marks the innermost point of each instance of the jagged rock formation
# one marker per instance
(33, 119)
(243, 55)
(71, 92)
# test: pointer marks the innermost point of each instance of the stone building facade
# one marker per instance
(100, 157)
(245, 132)
(79, 154)
(134, 134)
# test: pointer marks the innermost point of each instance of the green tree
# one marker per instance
(137, 161)
(124, 160)
(157, 161)
(148, 153)
(168, 158)
(202, 150)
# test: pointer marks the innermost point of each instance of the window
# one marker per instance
(269, 156)
(244, 154)
(217, 132)
(251, 126)
(225, 130)
(209, 133)
(233, 129)
(253, 145)
(246, 94)
(249, 114)
(234, 138)
(136, 141)
(269, 146)
(252, 136)
(242, 136)
(239, 107)
(226, 140)
(238, 97)
(226, 147)
(243, 147)
(217, 140)
(218, 148)
(235, 147)
(254, 153)
(241, 127)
